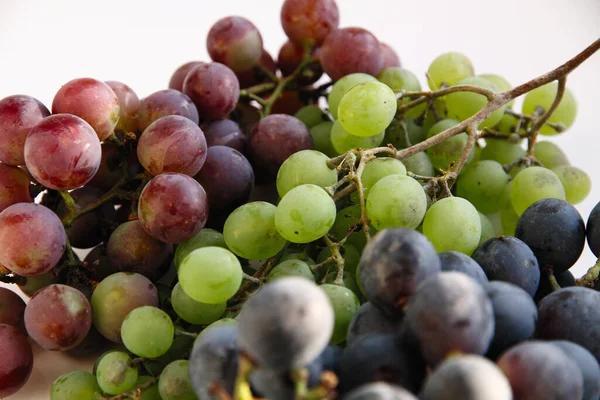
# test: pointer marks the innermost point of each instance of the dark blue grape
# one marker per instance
(369, 319)
(379, 391)
(457, 261)
(564, 279)
(590, 369)
(593, 230)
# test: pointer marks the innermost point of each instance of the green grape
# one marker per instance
(550, 155)
(502, 151)
(116, 373)
(75, 385)
(487, 229)
(298, 256)
(345, 219)
(351, 283)
(482, 184)
(367, 109)
(507, 124)
(149, 393)
(379, 168)
(341, 87)
(206, 237)
(508, 216)
(311, 115)
(174, 382)
(396, 201)
(148, 332)
(291, 268)
(453, 224)
(501, 83)
(405, 133)
(194, 312)
(219, 323)
(349, 253)
(304, 214)
(321, 136)
(543, 97)
(210, 275)
(476, 154)
(533, 184)
(306, 166)
(345, 304)
(419, 164)
(442, 154)
(180, 347)
(448, 69)
(402, 79)
(462, 105)
(250, 231)
(577, 183)
(343, 141)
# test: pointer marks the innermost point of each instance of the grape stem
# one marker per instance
(251, 278)
(181, 332)
(590, 278)
(338, 258)
(135, 393)
(242, 389)
(300, 379)
(552, 278)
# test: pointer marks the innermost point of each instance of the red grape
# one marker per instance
(235, 42)
(390, 58)
(58, 317)
(62, 152)
(129, 104)
(288, 103)
(290, 57)
(18, 114)
(12, 308)
(254, 75)
(32, 239)
(14, 186)
(92, 100)
(165, 102)
(173, 207)
(180, 73)
(172, 144)
(225, 132)
(109, 171)
(16, 361)
(214, 88)
(350, 50)
(309, 21)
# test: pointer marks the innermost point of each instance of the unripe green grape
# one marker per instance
(147, 332)
(501, 83)
(174, 382)
(311, 115)
(379, 168)
(453, 224)
(487, 229)
(367, 109)
(402, 79)
(533, 184)
(442, 154)
(291, 268)
(345, 304)
(341, 87)
(75, 385)
(577, 183)
(482, 184)
(149, 392)
(195, 312)
(206, 237)
(543, 97)
(550, 155)
(343, 141)
(306, 166)
(349, 253)
(449, 68)
(419, 164)
(502, 151)
(463, 105)
(116, 373)
(321, 135)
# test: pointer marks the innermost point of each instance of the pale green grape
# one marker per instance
(405, 133)
(345, 304)
(311, 115)
(449, 68)
(482, 184)
(453, 224)
(462, 105)
(550, 155)
(174, 382)
(116, 373)
(501, 83)
(194, 312)
(217, 324)
(147, 332)
(349, 253)
(321, 136)
(367, 109)
(508, 124)
(476, 154)
(502, 151)
(250, 231)
(543, 97)
(487, 229)
(298, 256)
(442, 154)
(402, 79)
(304, 214)
(206, 237)
(345, 219)
(210, 275)
(343, 141)
(508, 216)
(533, 184)
(396, 201)
(380, 168)
(75, 385)
(291, 268)
(577, 183)
(419, 164)
(341, 87)
(306, 166)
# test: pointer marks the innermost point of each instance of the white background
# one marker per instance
(44, 44)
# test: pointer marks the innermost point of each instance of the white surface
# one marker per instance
(44, 44)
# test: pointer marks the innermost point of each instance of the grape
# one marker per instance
(305, 167)
(538, 370)
(379, 168)
(14, 186)
(206, 237)
(12, 308)
(419, 164)
(379, 391)
(462, 105)
(116, 373)
(235, 42)
(351, 50)
(345, 304)
(456, 261)
(564, 279)
(304, 214)
(403, 133)
(250, 231)
(396, 201)
(450, 313)
(592, 231)
(346, 219)
(502, 151)
(194, 312)
(93, 101)
(34, 283)
(393, 264)
(178, 77)
(449, 151)
(214, 89)
(502, 84)
(115, 297)
(256, 75)
(16, 362)
(174, 383)
(487, 228)
(402, 79)
(62, 152)
(180, 348)
(483, 183)
(370, 320)
(349, 253)
(390, 57)
(291, 268)
(533, 184)
(576, 182)
(311, 115)
(147, 332)
(367, 108)
(291, 56)
(543, 97)
(164, 103)
(449, 68)
(149, 393)
(342, 140)
(588, 365)
(18, 114)
(309, 21)
(286, 324)
(554, 231)
(550, 155)
(32, 239)
(109, 171)
(289, 103)
(58, 317)
(225, 132)
(343, 86)
(210, 275)
(129, 104)
(453, 224)
(131, 249)
(74, 385)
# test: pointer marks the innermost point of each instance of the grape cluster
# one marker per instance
(312, 227)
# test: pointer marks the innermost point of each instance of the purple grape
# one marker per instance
(235, 42)
(98, 264)
(369, 319)
(180, 73)
(390, 57)
(255, 75)
(129, 104)
(456, 261)
(12, 308)
(309, 21)
(593, 230)
(109, 172)
(225, 132)
(163, 103)
(14, 186)
(214, 89)
(16, 362)
(289, 59)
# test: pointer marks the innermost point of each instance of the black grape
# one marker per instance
(564, 279)
(457, 261)
(590, 369)
(369, 319)
(593, 230)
